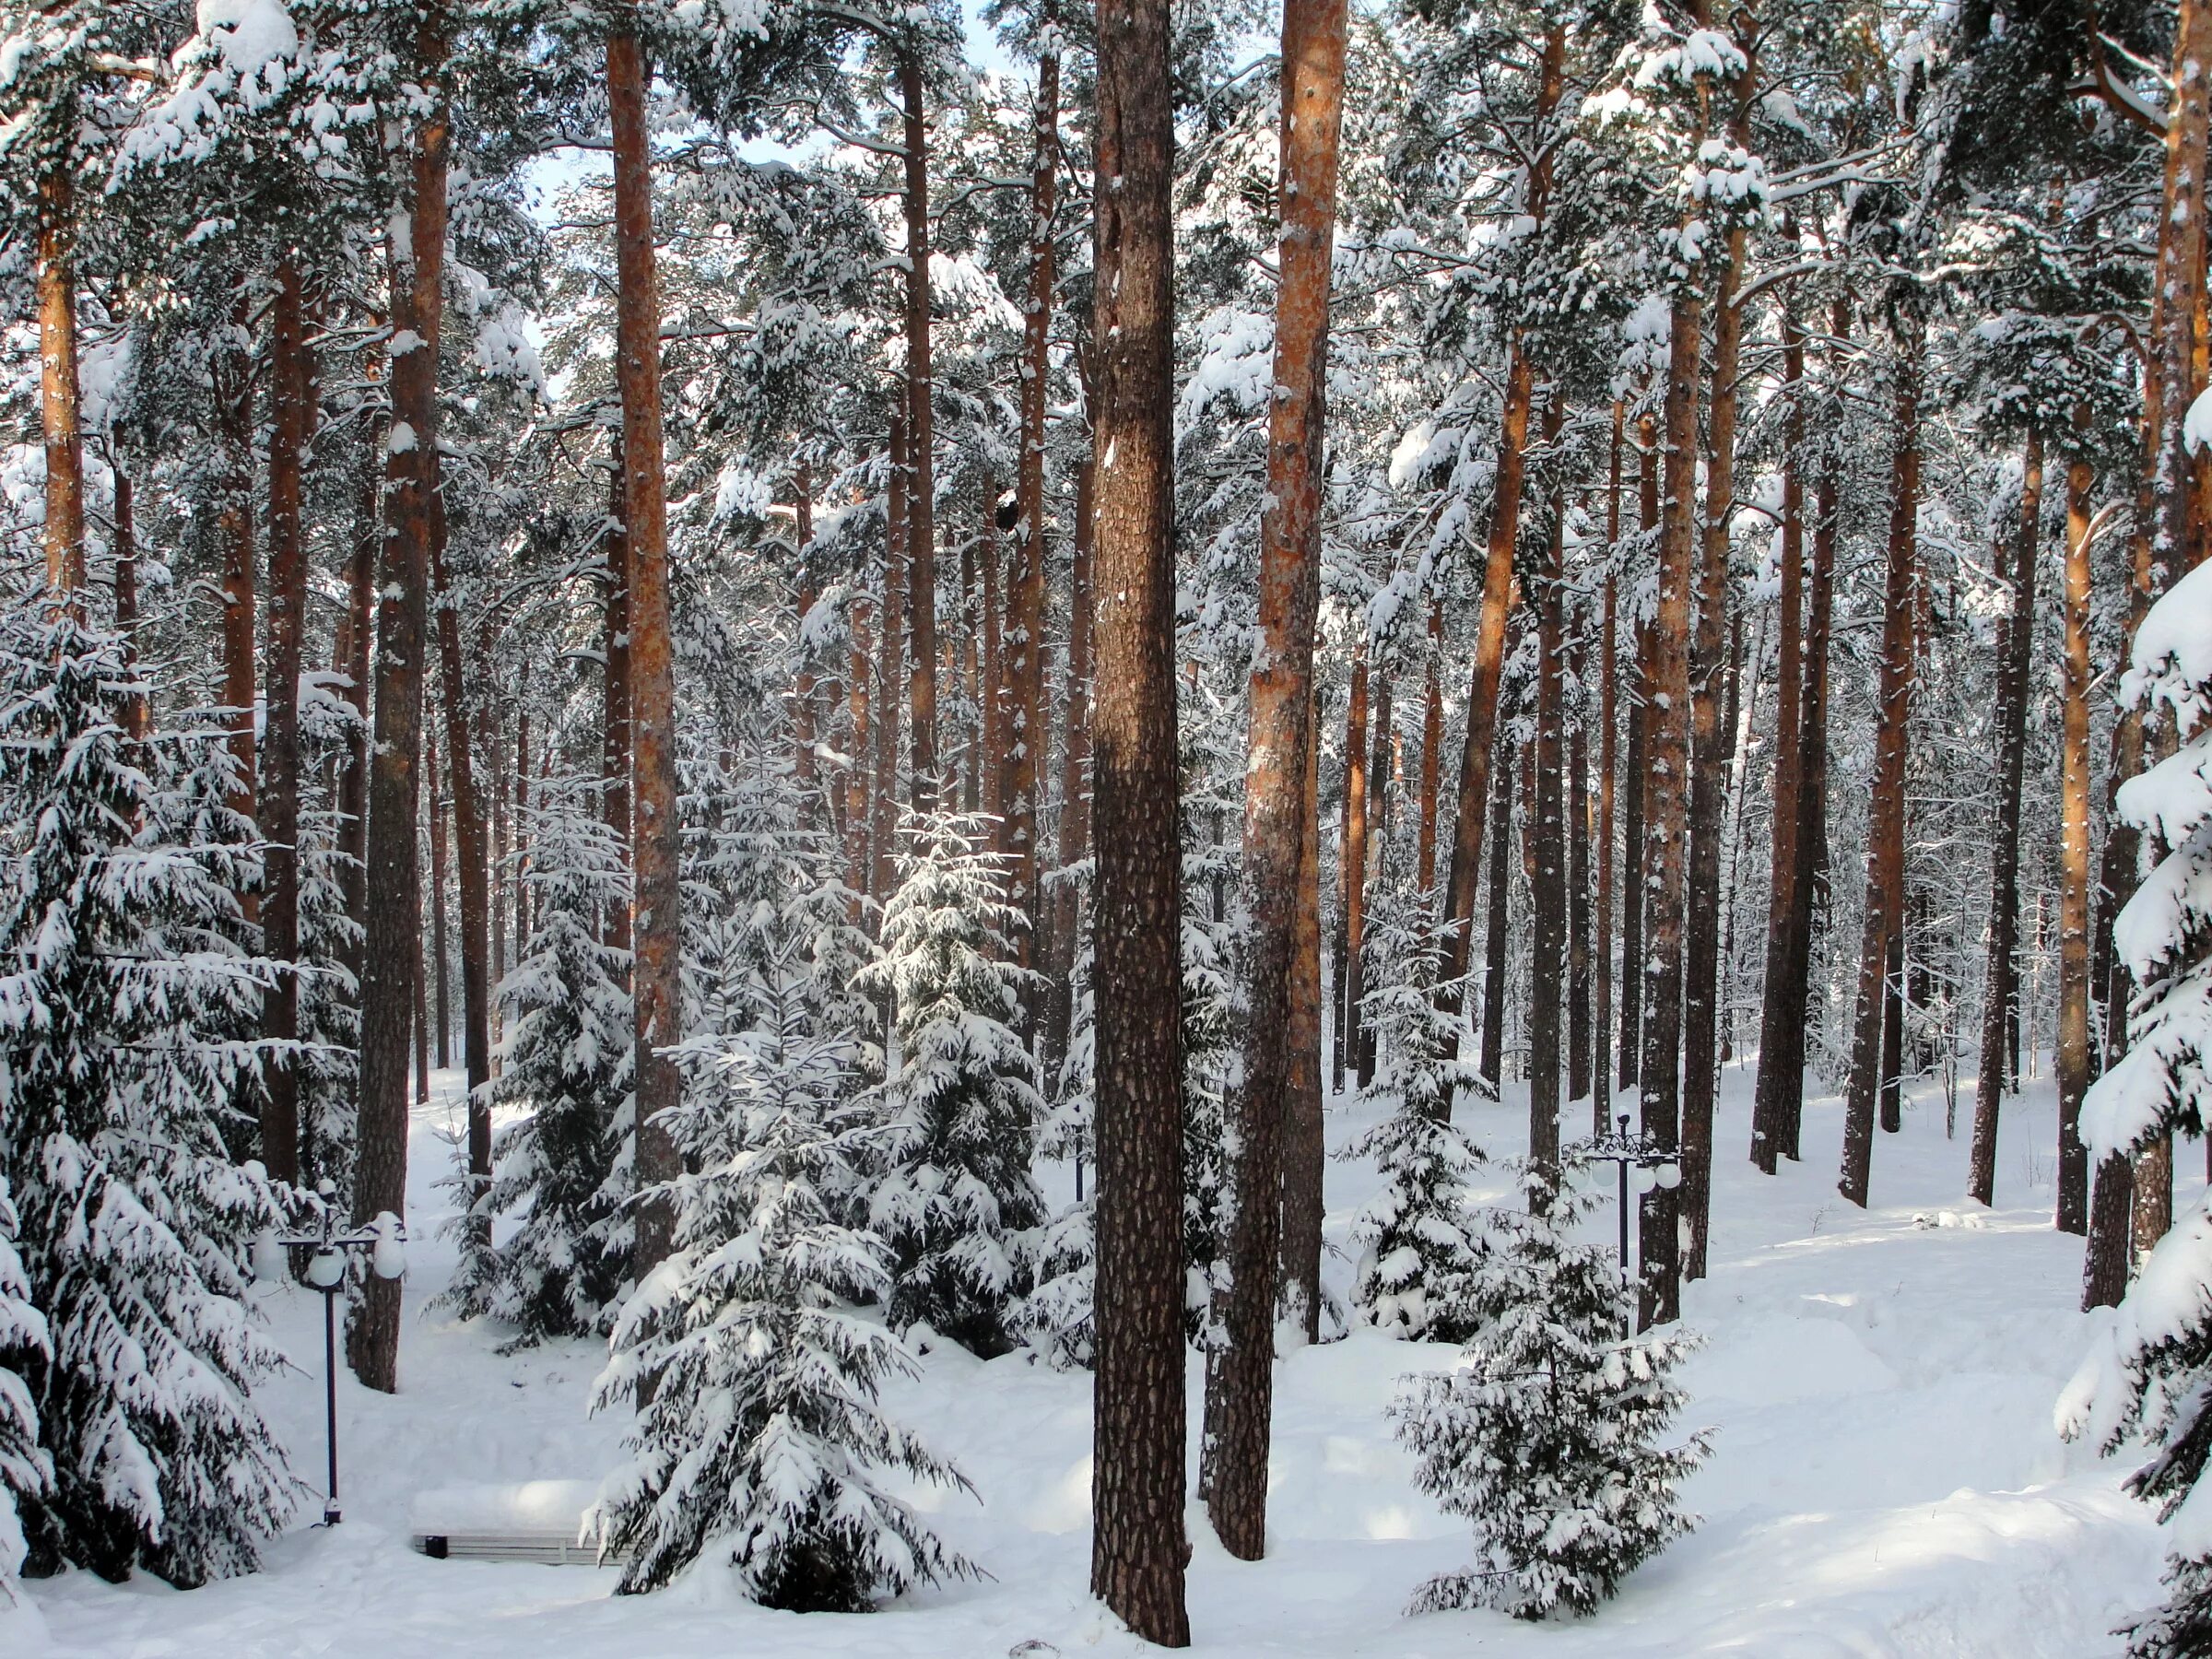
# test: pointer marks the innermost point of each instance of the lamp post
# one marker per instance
(1653, 1164)
(385, 1239)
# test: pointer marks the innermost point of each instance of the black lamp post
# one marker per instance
(385, 1239)
(1653, 1164)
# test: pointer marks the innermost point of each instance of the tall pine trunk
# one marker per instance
(614, 751)
(656, 840)
(2074, 1064)
(1884, 909)
(1025, 584)
(291, 429)
(1305, 1154)
(1278, 790)
(234, 427)
(1075, 775)
(391, 956)
(1782, 1004)
(2001, 981)
(1548, 892)
(1432, 757)
(1137, 1541)
(1635, 844)
(921, 499)
(60, 397)
(1609, 766)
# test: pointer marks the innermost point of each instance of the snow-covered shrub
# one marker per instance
(955, 1192)
(566, 1055)
(761, 1451)
(26, 1471)
(122, 987)
(2151, 1372)
(1420, 1240)
(1546, 1433)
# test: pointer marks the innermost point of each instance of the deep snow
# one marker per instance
(1884, 1480)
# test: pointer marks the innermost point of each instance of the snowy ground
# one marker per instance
(1885, 1482)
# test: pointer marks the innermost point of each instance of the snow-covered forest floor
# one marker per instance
(1885, 1478)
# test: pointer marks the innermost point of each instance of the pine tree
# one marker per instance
(133, 1221)
(956, 1192)
(2151, 1374)
(758, 1449)
(1546, 1434)
(1419, 1242)
(25, 1470)
(566, 1057)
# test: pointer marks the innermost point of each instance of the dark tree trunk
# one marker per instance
(1278, 785)
(391, 953)
(137, 713)
(1549, 889)
(291, 429)
(1369, 869)
(1782, 1005)
(1578, 807)
(1138, 1549)
(1609, 681)
(921, 501)
(2002, 980)
(1886, 824)
(891, 670)
(234, 531)
(1490, 1060)
(1351, 870)
(475, 884)
(441, 1002)
(655, 972)
(1432, 745)
(1635, 845)
(1075, 775)
(615, 730)
(1305, 1156)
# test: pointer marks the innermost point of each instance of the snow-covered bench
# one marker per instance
(540, 1521)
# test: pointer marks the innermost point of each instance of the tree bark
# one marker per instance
(1075, 774)
(1712, 742)
(1278, 789)
(1305, 1156)
(1782, 1005)
(2002, 980)
(291, 429)
(475, 885)
(1886, 829)
(1432, 745)
(1376, 845)
(656, 842)
(804, 698)
(59, 398)
(1138, 1549)
(1666, 760)
(1609, 681)
(137, 715)
(1578, 808)
(1490, 1055)
(921, 506)
(859, 669)
(1029, 727)
(2073, 874)
(392, 954)
(615, 730)
(1549, 894)
(1635, 845)
(241, 619)
(441, 1002)
(891, 671)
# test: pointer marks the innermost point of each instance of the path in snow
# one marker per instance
(1885, 1479)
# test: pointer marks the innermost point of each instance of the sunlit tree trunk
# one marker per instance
(59, 398)
(2073, 1057)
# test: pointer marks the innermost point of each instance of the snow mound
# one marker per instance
(1776, 1360)
(521, 1506)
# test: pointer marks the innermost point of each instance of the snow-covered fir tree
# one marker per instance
(25, 1470)
(124, 987)
(1419, 1242)
(1549, 1433)
(759, 1449)
(955, 1193)
(566, 1063)
(2149, 1372)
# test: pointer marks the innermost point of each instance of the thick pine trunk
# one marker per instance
(60, 399)
(1548, 891)
(1666, 811)
(392, 952)
(1782, 1005)
(1305, 1154)
(2001, 982)
(291, 429)
(921, 501)
(1028, 723)
(1885, 823)
(475, 885)
(656, 841)
(2073, 1058)
(1278, 788)
(1713, 738)
(1138, 1550)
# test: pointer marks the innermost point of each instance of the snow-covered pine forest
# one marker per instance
(969, 784)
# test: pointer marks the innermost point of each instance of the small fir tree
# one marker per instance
(759, 1448)
(957, 1193)
(1419, 1241)
(26, 1471)
(567, 1064)
(124, 981)
(1546, 1434)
